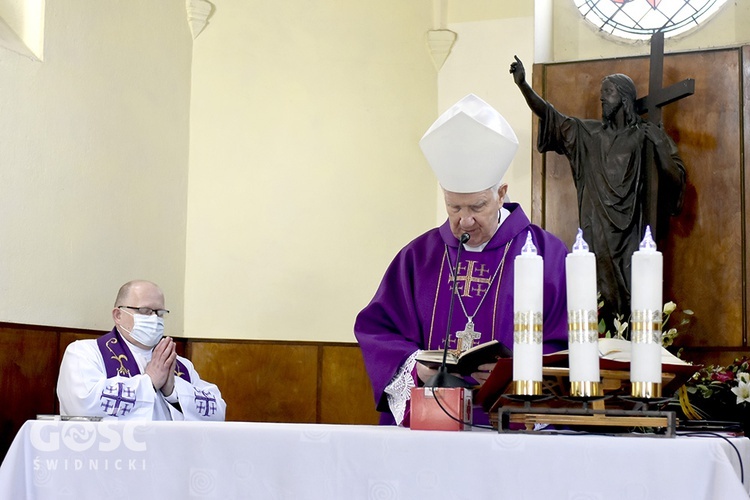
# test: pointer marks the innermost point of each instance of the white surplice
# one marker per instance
(84, 389)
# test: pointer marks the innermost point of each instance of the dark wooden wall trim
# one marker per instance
(262, 381)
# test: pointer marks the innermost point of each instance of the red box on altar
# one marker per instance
(433, 407)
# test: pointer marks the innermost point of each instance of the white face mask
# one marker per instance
(147, 330)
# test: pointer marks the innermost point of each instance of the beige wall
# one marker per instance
(266, 173)
(479, 64)
(93, 149)
(305, 175)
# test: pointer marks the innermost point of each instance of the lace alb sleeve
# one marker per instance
(399, 388)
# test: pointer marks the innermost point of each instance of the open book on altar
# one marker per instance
(614, 356)
(614, 349)
(466, 362)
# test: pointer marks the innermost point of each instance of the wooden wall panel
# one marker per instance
(345, 391)
(261, 382)
(28, 360)
(68, 337)
(705, 254)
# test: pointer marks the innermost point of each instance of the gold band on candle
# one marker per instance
(581, 389)
(527, 387)
(581, 320)
(580, 327)
(648, 390)
(646, 326)
(525, 327)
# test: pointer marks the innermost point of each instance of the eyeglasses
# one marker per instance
(147, 311)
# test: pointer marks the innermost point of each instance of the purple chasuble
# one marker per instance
(410, 309)
(118, 360)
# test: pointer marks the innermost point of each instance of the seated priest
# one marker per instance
(134, 372)
(469, 148)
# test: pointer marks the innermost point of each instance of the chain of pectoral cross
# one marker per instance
(468, 335)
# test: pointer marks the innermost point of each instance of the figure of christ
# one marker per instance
(627, 173)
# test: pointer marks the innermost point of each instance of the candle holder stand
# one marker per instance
(643, 403)
(586, 400)
(615, 412)
(527, 399)
(614, 422)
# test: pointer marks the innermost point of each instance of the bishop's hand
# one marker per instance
(424, 373)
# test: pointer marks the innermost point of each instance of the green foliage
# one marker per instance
(669, 333)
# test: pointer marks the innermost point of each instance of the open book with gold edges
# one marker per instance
(466, 362)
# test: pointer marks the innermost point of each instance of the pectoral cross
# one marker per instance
(466, 337)
(657, 96)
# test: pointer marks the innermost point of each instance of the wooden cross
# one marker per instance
(652, 103)
(657, 96)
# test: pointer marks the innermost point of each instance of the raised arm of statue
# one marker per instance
(535, 102)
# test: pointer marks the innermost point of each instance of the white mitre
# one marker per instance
(470, 146)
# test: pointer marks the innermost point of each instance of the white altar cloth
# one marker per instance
(236, 460)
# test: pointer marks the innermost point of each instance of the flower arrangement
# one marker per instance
(719, 392)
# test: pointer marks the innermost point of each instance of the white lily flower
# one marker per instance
(742, 391)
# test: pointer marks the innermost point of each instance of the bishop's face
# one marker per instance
(474, 213)
(611, 100)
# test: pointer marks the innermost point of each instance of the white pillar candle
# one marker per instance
(646, 305)
(583, 333)
(528, 294)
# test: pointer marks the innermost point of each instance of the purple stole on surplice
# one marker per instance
(118, 360)
(117, 399)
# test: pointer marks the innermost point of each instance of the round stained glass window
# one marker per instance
(639, 19)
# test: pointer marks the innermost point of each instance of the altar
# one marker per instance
(233, 460)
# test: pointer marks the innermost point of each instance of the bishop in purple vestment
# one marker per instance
(409, 311)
